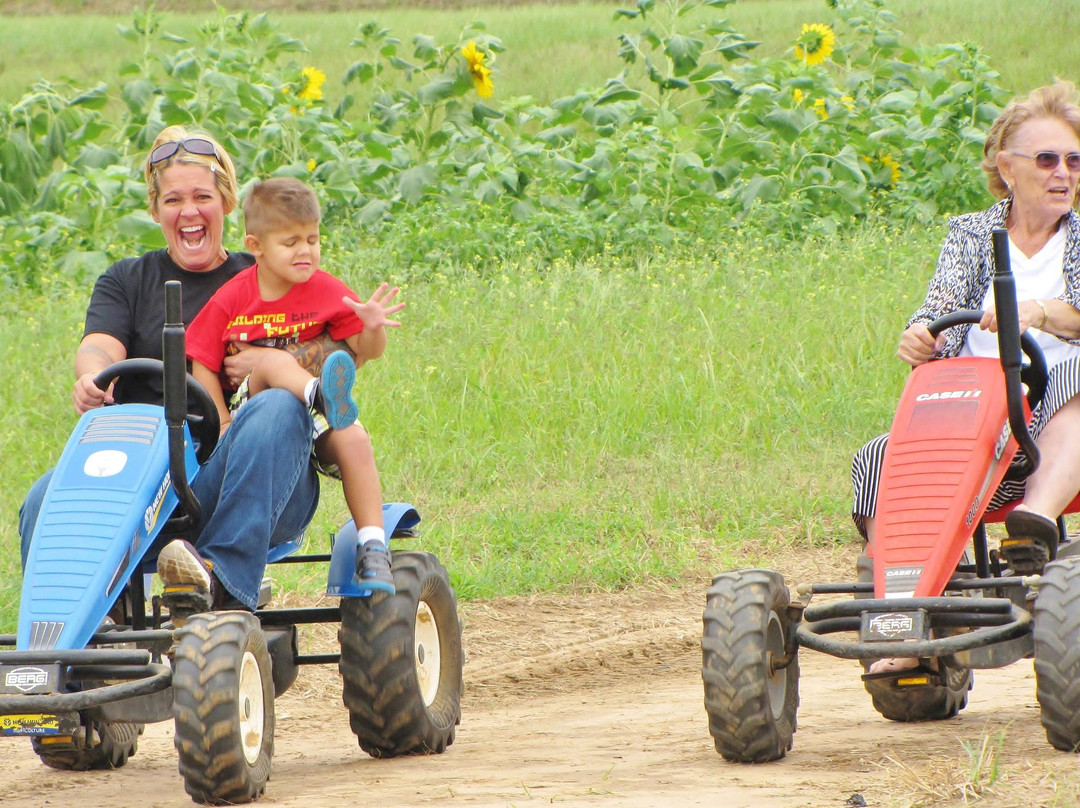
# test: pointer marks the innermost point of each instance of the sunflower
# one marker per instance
(815, 44)
(480, 72)
(894, 168)
(313, 82)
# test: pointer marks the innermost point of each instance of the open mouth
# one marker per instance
(193, 236)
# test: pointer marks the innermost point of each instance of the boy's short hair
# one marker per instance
(279, 202)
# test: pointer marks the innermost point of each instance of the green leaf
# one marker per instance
(439, 90)
(616, 90)
(361, 72)
(481, 111)
(95, 98)
(684, 52)
(373, 212)
(413, 182)
(850, 164)
(137, 93)
(899, 101)
(788, 123)
(138, 225)
(759, 188)
(555, 135)
(424, 47)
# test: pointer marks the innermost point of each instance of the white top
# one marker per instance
(1039, 277)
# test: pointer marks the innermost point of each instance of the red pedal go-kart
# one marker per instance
(930, 587)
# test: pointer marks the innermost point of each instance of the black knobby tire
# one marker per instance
(223, 707)
(751, 704)
(921, 702)
(1057, 653)
(111, 747)
(401, 661)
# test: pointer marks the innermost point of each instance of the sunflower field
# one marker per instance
(694, 138)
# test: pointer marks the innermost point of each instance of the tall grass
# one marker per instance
(588, 426)
(552, 50)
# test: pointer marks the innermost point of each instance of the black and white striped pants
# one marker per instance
(1063, 383)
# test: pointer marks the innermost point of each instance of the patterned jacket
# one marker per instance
(965, 269)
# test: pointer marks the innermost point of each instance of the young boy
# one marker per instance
(286, 298)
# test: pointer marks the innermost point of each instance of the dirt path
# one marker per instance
(597, 701)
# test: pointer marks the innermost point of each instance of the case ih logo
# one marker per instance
(892, 625)
(948, 394)
(26, 679)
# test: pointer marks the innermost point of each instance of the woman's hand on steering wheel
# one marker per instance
(86, 395)
(918, 345)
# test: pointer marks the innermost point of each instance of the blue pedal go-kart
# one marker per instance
(90, 665)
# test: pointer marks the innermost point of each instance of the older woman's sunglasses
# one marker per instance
(193, 145)
(1049, 159)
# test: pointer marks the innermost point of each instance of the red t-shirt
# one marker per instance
(237, 313)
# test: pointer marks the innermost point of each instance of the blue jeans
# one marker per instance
(258, 489)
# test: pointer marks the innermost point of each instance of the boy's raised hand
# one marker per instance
(376, 311)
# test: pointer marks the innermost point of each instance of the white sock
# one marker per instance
(309, 391)
(370, 533)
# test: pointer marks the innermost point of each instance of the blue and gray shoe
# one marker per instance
(333, 394)
(373, 567)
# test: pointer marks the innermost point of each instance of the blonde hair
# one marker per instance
(220, 164)
(1057, 102)
(278, 202)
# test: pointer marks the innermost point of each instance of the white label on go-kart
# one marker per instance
(105, 463)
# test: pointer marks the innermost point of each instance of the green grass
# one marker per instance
(552, 50)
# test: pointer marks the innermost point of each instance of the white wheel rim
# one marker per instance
(250, 707)
(427, 653)
(774, 641)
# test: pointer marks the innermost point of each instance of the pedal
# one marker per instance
(1026, 556)
(266, 593)
(184, 601)
(921, 676)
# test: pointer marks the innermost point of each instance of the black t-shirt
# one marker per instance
(128, 303)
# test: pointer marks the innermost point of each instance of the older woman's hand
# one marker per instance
(917, 345)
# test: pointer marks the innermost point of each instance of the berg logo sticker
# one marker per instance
(26, 679)
(892, 625)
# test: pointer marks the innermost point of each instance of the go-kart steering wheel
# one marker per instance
(202, 415)
(1033, 374)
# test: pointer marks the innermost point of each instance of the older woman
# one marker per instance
(191, 186)
(1032, 161)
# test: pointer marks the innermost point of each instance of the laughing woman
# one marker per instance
(191, 187)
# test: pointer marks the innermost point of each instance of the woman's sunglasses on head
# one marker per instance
(193, 145)
(1049, 159)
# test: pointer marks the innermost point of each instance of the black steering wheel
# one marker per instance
(1033, 374)
(202, 415)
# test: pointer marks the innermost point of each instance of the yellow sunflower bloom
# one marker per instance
(797, 96)
(819, 108)
(815, 44)
(311, 164)
(480, 72)
(313, 82)
(894, 168)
